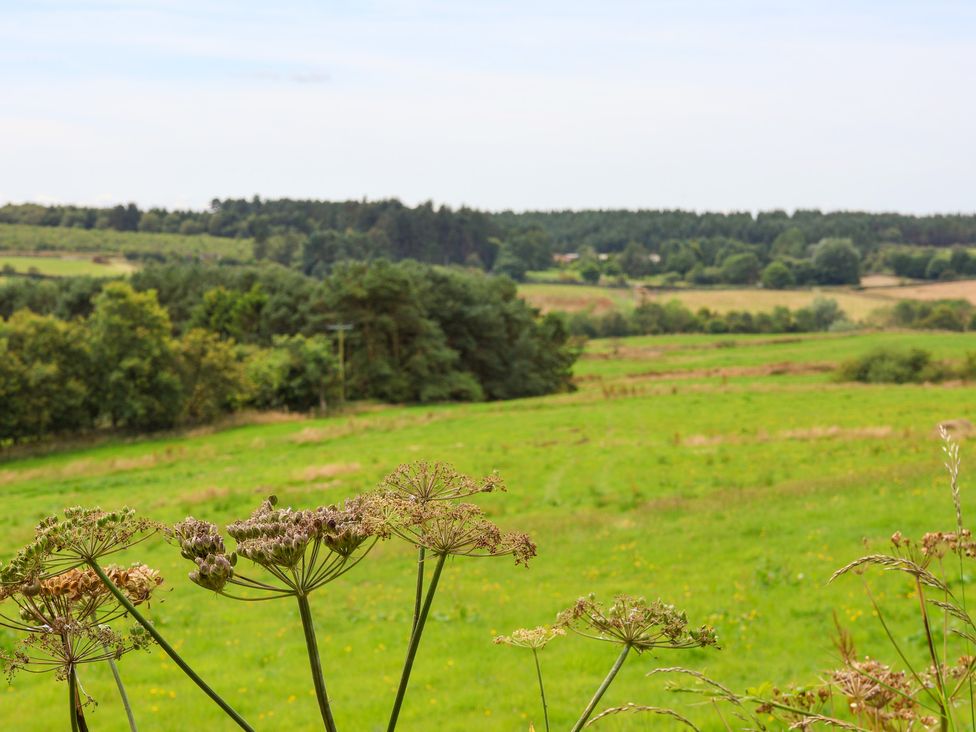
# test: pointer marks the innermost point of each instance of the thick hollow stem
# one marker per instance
(125, 697)
(542, 689)
(72, 705)
(602, 690)
(415, 642)
(419, 596)
(170, 651)
(315, 662)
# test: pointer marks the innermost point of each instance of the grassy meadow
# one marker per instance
(729, 475)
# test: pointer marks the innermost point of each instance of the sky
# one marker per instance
(732, 105)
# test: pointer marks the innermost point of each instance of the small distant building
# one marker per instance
(565, 258)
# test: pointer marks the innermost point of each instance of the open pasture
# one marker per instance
(67, 265)
(17, 238)
(728, 475)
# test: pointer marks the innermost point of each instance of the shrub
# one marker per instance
(777, 276)
(887, 366)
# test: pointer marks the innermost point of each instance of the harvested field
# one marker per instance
(958, 290)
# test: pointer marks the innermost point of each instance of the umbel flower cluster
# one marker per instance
(635, 623)
(82, 535)
(65, 618)
(301, 550)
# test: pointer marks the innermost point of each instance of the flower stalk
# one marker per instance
(415, 642)
(318, 679)
(170, 651)
(614, 670)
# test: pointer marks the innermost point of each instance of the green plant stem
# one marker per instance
(943, 701)
(125, 697)
(170, 651)
(72, 706)
(315, 662)
(602, 690)
(415, 642)
(542, 689)
(418, 598)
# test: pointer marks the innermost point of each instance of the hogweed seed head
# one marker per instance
(455, 529)
(424, 482)
(301, 549)
(83, 534)
(633, 622)
(64, 618)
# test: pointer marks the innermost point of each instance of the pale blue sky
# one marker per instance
(702, 105)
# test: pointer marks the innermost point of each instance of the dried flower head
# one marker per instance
(65, 618)
(79, 595)
(633, 622)
(455, 529)
(532, 638)
(302, 550)
(424, 482)
(67, 643)
(874, 690)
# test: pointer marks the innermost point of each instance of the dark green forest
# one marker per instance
(700, 248)
(185, 343)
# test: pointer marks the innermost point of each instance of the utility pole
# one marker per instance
(341, 329)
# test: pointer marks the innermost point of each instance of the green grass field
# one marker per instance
(75, 265)
(729, 475)
(22, 238)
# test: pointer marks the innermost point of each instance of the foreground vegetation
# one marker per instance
(645, 481)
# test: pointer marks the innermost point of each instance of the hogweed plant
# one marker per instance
(423, 483)
(421, 506)
(629, 622)
(535, 639)
(65, 558)
(66, 602)
(298, 551)
(65, 622)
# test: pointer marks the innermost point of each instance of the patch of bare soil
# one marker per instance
(331, 470)
(785, 368)
(829, 432)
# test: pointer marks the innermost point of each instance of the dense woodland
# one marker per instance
(701, 248)
(182, 344)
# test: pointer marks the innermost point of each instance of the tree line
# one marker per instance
(313, 236)
(184, 344)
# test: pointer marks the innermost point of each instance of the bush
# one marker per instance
(777, 276)
(886, 366)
